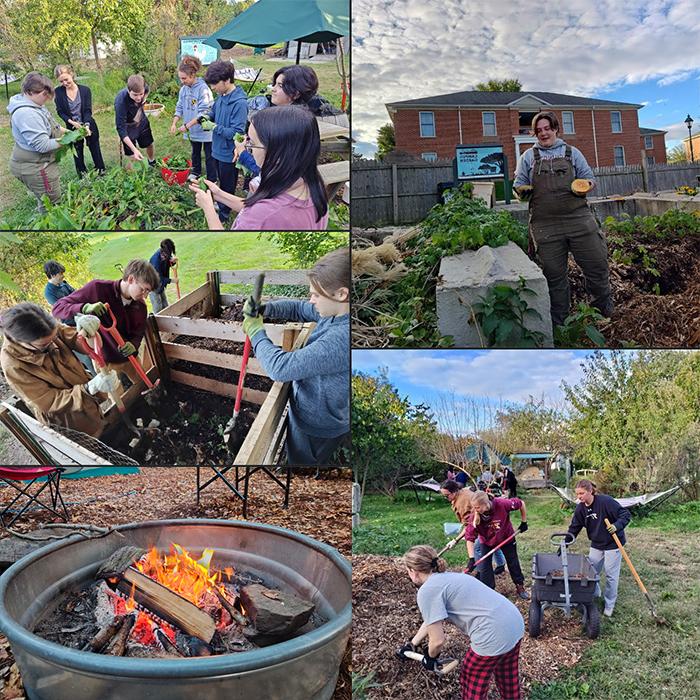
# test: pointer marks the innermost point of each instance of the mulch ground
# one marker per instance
(643, 317)
(385, 616)
(319, 508)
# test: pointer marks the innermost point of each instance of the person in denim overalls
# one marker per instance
(561, 221)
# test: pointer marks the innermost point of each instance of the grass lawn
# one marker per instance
(19, 206)
(633, 657)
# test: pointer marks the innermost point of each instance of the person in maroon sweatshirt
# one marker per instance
(126, 298)
(491, 523)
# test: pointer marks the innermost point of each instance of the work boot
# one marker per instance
(499, 569)
(521, 592)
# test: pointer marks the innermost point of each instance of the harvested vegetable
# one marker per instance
(239, 138)
(69, 140)
(175, 163)
(207, 124)
(202, 185)
(580, 187)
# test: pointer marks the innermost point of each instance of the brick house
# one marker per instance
(696, 147)
(606, 132)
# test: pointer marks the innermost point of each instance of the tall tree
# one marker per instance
(677, 154)
(386, 140)
(505, 85)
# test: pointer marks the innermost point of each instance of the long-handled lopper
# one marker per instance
(660, 620)
(257, 294)
(119, 340)
(95, 354)
(442, 667)
(177, 280)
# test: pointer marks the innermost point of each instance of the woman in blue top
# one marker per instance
(319, 405)
(230, 113)
(162, 260)
(195, 99)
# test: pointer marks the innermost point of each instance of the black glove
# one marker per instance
(429, 662)
(406, 647)
(471, 565)
(523, 526)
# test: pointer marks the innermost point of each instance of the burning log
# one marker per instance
(117, 646)
(166, 643)
(104, 636)
(239, 617)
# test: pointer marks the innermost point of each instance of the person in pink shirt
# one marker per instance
(491, 524)
(285, 144)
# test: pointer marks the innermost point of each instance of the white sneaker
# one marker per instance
(608, 612)
(192, 177)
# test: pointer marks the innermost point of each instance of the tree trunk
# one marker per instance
(94, 49)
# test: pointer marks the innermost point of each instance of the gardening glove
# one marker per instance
(523, 526)
(89, 325)
(429, 662)
(523, 192)
(127, 349)
(471, 565)
(97, 309)
(103, 383)
(611, 528)
(250, 308)
(406, 647)
(252, 325)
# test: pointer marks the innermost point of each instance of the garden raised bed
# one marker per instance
(194, 347)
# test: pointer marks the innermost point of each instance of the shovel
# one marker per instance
(660, 620)
(96, 356)
(150, 391)
(228, 430)
(177, 280)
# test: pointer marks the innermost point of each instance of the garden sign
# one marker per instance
(481, 162)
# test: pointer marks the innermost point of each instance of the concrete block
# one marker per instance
(466, 277)
(485, 191)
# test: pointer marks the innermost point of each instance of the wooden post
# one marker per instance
(214, 293)
(645, 172)
(155, 347)
(289, 335)
(356, 502)
(395, 191)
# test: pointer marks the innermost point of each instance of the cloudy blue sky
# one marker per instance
(638, 51)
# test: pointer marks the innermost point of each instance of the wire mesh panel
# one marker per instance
(103, 453)
(238, 284)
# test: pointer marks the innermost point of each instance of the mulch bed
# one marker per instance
(642, 317)
(317, 508)
(385, 616)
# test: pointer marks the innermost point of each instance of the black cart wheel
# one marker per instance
(592, 621)
(534, 619)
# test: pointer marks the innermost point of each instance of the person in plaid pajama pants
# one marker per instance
(493, 624)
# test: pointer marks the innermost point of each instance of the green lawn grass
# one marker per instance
(633, 658)
(14, 196)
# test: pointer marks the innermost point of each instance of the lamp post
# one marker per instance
(689, 124)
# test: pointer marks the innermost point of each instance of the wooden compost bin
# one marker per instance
(267, 433)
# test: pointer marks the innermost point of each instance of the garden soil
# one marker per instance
(670, 318)
(383, 592)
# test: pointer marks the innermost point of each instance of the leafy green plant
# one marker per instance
(361, 684)
(502, 314)
(68, 141)
(174, 163)
(579, 329)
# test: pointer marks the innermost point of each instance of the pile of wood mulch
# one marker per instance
(319, 508)
(385, 616)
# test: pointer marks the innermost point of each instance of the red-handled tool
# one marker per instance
(119, 340)
(257, 294)
(95, 354)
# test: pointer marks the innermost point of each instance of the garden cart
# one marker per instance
(565, 581)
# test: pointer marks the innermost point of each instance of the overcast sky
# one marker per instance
(639, 51)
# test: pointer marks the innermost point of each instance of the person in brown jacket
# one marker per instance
(38, 363)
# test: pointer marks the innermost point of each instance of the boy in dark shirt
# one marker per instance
(56, 287)
(591, 512)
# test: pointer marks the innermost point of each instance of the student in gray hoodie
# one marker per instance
(319, 406)
(36, 133)
(195, 99)
(560, 220)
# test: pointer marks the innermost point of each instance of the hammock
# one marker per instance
(428, 485)
(644, 503)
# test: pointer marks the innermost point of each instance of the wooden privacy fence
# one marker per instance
(403, 193)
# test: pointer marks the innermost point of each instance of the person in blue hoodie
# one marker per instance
(57, 287)
(319, 405)
(561, 221)
(230, 113)
(36, 133)
(194, 100)
(162, 260)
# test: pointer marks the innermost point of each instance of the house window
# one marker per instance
(616, 122)
(648, 143)
(567, 119)
(619, 155)
(650, 160)
(488, 121)
(431, 156)
(427, 124)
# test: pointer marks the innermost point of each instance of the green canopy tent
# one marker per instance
(270, 22)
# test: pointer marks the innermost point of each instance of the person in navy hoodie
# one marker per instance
(230, 113)
(162, 260)
(592, 510)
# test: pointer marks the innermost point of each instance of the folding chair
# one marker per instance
(31, 490)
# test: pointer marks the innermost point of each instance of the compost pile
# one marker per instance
(655, 279)
(383, 592)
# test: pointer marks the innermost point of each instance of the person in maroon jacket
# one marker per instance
(492, 525)
(126, 298)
